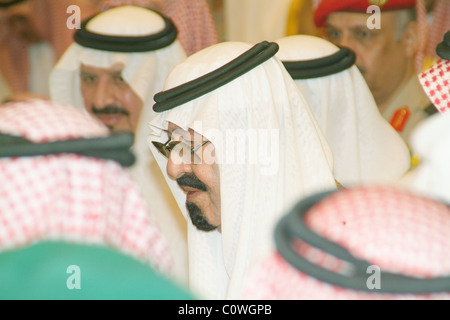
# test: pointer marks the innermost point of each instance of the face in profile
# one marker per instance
(110, 98)
(196, 176)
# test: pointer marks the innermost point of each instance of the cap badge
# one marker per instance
(379, 3)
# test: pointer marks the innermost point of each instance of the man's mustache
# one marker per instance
(110, 109)
(191, 181)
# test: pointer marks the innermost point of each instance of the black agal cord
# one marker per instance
(193, 89)
(115, 147)
(443, 48)
(321, 67)
(151, 42)
(292, 227)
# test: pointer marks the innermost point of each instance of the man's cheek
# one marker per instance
(122, 125)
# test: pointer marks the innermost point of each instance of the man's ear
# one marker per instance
(410, 39)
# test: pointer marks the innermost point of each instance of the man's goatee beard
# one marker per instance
(198, 218)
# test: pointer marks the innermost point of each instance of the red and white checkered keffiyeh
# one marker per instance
(436, 84)
(69, 197)
(193, 19)
(396, 230)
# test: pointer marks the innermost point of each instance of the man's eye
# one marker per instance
(333, 35)
(18, 19)
(87, 78)
(190, 145)
(363, 34)
(119, 79)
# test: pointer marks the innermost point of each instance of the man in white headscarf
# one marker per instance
(365, 147)
(387, 38)
(120, 58)
(239, 145)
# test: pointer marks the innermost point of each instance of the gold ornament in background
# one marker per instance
(379, 3)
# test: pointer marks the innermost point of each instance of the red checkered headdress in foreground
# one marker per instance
(370, 242)
(62, 180)
(436, 79)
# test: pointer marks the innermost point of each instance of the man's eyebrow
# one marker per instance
(365, 29)
(359, 27)
(187, 136)
(170, 135)
(330, 25)
(116, 72)
(85, 72)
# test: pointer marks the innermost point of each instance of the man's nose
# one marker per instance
(176, 165)
(345, 40)
(104, 94)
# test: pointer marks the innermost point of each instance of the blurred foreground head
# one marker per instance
(66, 197)
(371, 242)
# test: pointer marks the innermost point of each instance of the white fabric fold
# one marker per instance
(365, 146)
(431, 142)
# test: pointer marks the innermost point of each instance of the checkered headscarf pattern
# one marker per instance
(71, 198)
(40, 121)
(436, 84)
(398, 231)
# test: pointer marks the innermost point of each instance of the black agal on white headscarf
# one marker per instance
(267, 146)
(89, 38)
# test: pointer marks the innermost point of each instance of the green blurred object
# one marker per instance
(64, 271)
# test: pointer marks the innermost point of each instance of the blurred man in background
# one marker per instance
(386, 54)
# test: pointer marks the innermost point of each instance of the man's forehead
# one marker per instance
(115, 68)
(348, 19)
